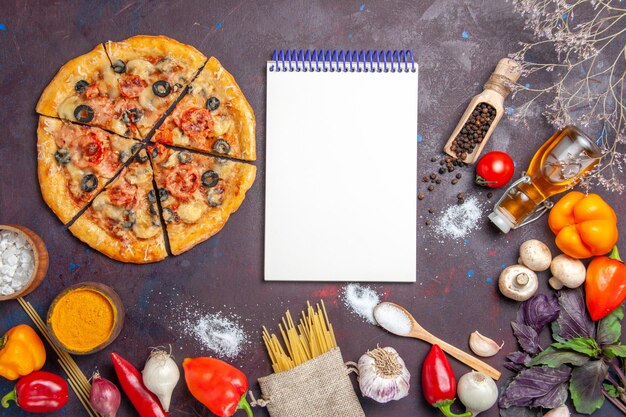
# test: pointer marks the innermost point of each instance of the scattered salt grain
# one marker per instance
(219, 334)
(361, 300)
(17, 262)
(392, 319)
(459, 220)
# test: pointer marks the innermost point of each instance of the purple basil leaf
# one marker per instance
(553, 399)
(516, 361)
(527, 338)
(530, 386)
(573, 320)
(520, 412)
(586, 386)
(538, 311)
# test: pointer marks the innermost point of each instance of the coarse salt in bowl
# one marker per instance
(23, 261)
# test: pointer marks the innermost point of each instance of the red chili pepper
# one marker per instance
(439, 383)
(39, 392)
(219, 386)
(605, 285)
(145, 402)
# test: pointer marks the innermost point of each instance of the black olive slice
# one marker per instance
(152, 208)
(132, 115)
(63, 156)
(163, 194)
(81, 86)
(128, 219)
(142, 156)
(154, 152)
(184, 157)
(215, 197)
(221, 146)
(89, 183)
(123, 156)
(152, 196)
(168, 215)
(83, 113)
(178, 86)
(119, 66)
(212, 103)
(210, 178)
(161, 88)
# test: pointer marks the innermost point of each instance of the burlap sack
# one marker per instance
(320, 387)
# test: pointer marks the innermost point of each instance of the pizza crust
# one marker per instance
(62, 85)
(52, 179)
(141, 251)
(143, 46)
(183, 237)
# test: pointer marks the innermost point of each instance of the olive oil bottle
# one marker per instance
(557, 166)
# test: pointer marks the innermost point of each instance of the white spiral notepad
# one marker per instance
(341, 166)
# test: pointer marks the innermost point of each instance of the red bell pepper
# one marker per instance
(146, 403)
(439, 383)
(219, 386)
(38, 392)
(605, 284)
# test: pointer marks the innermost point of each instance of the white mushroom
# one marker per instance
(518, 282)
(561, 411)
(535, 255)
(567, 272)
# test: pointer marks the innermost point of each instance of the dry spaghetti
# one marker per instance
(312, 337)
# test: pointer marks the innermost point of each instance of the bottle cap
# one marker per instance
(501, 221)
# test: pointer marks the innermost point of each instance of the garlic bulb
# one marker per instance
(483, 346)
(383, 376)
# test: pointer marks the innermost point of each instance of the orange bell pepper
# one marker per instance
(584, 225)
(21, 352)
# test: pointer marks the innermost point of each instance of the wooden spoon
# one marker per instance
(401, 328)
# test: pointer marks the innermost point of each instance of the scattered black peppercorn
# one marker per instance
(437, 181)
(431, 211)
(433, 159)
(427, 222)
(442, 170)
(433, 176)
(460, 195)
(489, 194)
(458, 176)
(454, 181)
(431, 187)
(420, 196)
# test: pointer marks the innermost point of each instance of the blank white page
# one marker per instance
(341, 176)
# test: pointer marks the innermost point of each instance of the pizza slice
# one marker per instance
(213, 117)
(197, 193)
(121, 222)
(85, 90)
(75, 162)
(152, 71)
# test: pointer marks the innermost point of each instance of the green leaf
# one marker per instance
(556, 331)
(585, 345)
(610, 327)
(614, 350)
(585, 386)
(554, 358)
(612, 391)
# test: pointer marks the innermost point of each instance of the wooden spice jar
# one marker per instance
(483, 113)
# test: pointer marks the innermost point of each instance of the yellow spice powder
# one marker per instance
(82, 319)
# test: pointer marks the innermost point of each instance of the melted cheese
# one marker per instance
(145, 228)
(179, 138)
(222, 125)
(109, 84)
(140, 175)
(171, 161)
(67, 107)
(146, 99)
(140, 67)
(76, 175)
(190, 212)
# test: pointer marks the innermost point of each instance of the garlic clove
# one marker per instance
(561, 411)
(483, 346)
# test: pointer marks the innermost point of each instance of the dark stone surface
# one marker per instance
(456, 42)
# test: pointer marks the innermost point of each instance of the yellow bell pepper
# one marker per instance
(21, 352)
(584, 225)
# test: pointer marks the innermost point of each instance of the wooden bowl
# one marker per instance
(40, 253)
(113, 299)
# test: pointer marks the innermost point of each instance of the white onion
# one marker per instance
(477, 392)
(160, 376)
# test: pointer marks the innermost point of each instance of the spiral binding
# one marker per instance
(342, 61)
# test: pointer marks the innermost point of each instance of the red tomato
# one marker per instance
(494, 169)
(197, 123)
(182, 181)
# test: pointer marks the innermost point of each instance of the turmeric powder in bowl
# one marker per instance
(85, 318)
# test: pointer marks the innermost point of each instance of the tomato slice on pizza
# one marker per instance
(213, 117)
(152, 72)
(75, 162)
(197, 193)
(121, 222)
